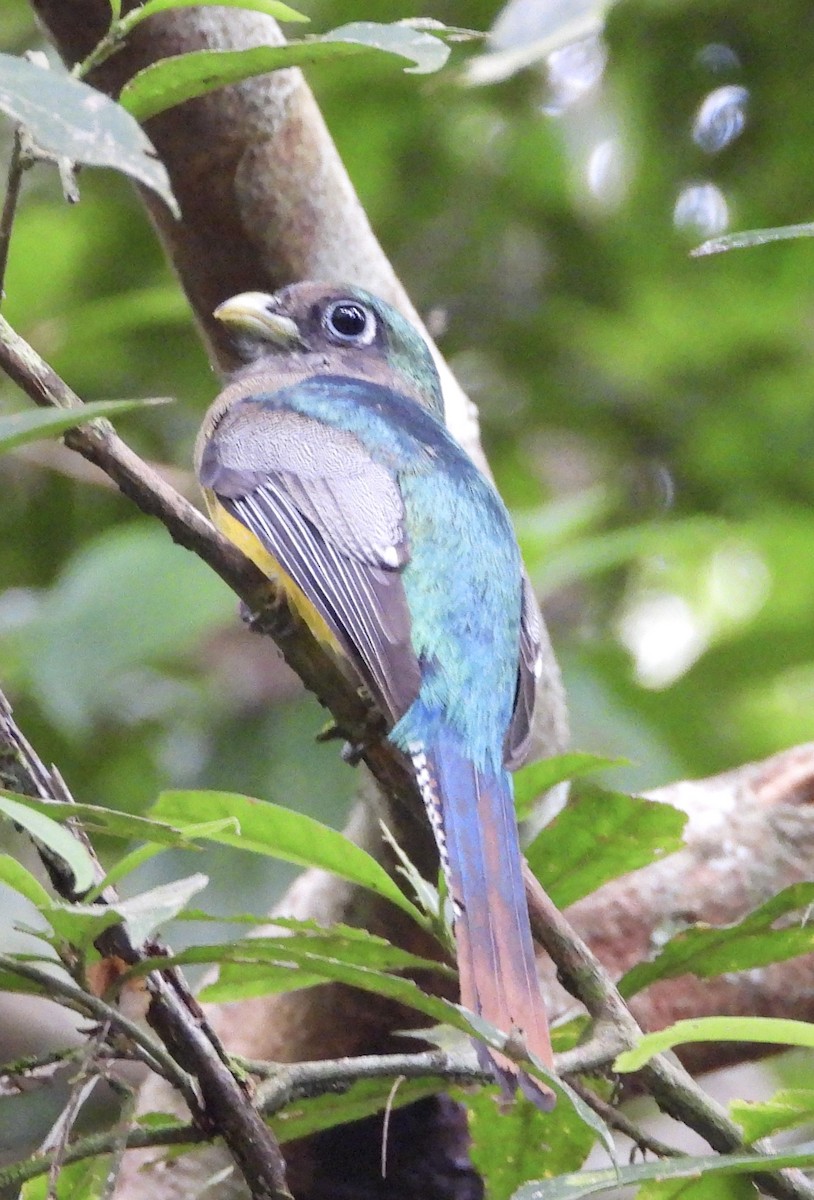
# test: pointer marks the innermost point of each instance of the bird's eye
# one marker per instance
(351, 322)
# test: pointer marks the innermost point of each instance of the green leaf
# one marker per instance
(145, 913)
(272, 8)
(424, 49)
(718, 1187)
(108, 821)
(361, 1099)
(183, 77)
(237, 981)
(786, 1109)
(16, 429)
(83, 1180)
(78, 924)
(599, 836)
(61, 841)
(425, 892)
(68, 119)
(774, 1031)
(267, 828)
(753, 237)
(141, 854)
(518, 1143)
(16, 876)
(306, 941)
(713, 950)
(142, 915)
(532, 781)
(594, 1183)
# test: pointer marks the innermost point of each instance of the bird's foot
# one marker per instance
(275, 613)
(357, 741)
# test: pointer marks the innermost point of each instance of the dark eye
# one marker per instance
(349, 321)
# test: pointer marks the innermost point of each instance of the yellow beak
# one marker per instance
(253, 312)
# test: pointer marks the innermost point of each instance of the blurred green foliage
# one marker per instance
(646, 413)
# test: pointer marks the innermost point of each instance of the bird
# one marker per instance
(326, 460)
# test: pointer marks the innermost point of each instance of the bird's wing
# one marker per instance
(334, 521)
(519, 733)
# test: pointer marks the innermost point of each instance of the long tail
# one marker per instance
(472, 815)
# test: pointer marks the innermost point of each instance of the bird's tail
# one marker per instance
(472, 814)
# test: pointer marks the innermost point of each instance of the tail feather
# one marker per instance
(472, 814)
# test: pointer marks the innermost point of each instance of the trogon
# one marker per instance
(327, 461)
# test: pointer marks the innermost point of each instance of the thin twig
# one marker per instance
(287, 1082)
(617, 1120)
(16, 169)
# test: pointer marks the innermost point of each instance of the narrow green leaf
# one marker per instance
(773, 1031)
(272, 8)
(142, 854)
(16, 429)
(786, 1109)
(361, 1099)
(707, 950)
(16, 876)
(340, 942)
(248, 981)
(753, 237)
(425, 892)
(717, 1187)
(594, 1183)
(61, 841)
(267, 828)
(531, 782)
(183, 77)
(68, 119)
(236, 978)
(96, 819)
(598, 836)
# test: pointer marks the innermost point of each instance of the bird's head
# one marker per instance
(317, 328)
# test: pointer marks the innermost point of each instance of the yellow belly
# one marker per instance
(254, 549)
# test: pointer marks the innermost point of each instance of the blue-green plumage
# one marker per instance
(465, 622)
(407, 554)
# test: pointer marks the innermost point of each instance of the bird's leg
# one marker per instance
(257, 621)
(373, 728)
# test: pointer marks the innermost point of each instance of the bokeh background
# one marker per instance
(647, 414)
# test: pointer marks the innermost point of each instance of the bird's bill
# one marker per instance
(250, 313)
